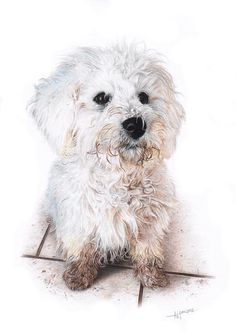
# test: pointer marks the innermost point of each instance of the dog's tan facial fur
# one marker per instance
(109, 192)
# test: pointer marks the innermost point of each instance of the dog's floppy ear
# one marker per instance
(170, 111)
(175, 114)
(53, 107)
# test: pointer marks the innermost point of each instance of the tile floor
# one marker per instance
(191, 285)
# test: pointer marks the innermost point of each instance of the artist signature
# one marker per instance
(179, 313)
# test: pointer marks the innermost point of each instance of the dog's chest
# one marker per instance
(113, 195)
(102, 202)
(113, 189)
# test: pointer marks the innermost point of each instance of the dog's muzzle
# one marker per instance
(135, 127)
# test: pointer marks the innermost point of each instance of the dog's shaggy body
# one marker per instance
(108, 193)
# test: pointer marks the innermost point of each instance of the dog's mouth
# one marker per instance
(132, 152)
(137, 152)
(131, 146)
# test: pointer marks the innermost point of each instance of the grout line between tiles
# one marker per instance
(39, 249)
(204, 276)
(31, 256)
(124, 266)
(140, 295)
(141, 288)
(120, 266)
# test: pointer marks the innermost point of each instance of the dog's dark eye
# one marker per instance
(102, 98)
(143, 97)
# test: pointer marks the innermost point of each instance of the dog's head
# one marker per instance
(116, 103)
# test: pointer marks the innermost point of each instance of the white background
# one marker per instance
(198, 41)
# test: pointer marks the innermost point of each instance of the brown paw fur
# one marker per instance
(78, 277)
(151, 276)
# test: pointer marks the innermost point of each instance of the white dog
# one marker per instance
(112, 117)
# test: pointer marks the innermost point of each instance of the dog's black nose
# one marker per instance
(135, 127)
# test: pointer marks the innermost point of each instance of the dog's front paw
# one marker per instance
(151, 276)
(78, 277)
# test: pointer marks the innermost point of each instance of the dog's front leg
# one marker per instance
(148, 267)
(147, 257)
(83, 269)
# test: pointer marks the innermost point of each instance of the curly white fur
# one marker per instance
(104, 188)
